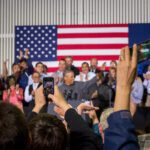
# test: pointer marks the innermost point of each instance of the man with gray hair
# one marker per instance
(74, 90)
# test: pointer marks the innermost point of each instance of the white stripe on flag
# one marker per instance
(69, 41)
(94, 30)
(88, 52)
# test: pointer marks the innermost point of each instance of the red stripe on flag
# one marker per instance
(92, 35)
(91, 46)
(92, 26)
(106, 57)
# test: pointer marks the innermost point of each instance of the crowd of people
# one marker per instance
(108, 116)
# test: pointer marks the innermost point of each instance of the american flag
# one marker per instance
(51, 43)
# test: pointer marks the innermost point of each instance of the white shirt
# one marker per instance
(29, 97)
(82, 76)
(146, 84)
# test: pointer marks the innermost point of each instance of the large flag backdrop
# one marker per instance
(50, 43)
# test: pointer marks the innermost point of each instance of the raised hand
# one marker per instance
(126, 71)
(59, 100)
(5, 69)
(40, 100)
(27, 53)
(20, 54)
(85, 107)
(5, 62)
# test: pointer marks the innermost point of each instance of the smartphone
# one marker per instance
(48, 85)
(143, 51)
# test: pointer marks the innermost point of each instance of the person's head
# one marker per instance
(112, 72)
(45, 69)
(68, 77)
(39, 67)
(23, 64)
(113, 64)
(13, 128)
(15, 68)
(62, 65)
(93, 63)
(85, 67)
(36, 77)
(47, 133)
(11, 82)
(69, 60)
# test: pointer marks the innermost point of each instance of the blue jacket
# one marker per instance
(120, 135)
(23, 82)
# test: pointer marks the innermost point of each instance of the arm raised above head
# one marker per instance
(126, 71)
(120, 135)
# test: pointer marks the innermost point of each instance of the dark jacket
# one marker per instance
(24, 77)
(81, 136)
(23, 82)
(76, 91)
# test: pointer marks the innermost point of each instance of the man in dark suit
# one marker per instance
(70, 66)
(94, 65)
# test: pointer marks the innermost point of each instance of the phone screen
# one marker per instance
(48, 85)
(143, 51)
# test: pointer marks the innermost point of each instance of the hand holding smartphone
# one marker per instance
(48, 85)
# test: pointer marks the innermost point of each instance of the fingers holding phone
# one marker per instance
(48, 85)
